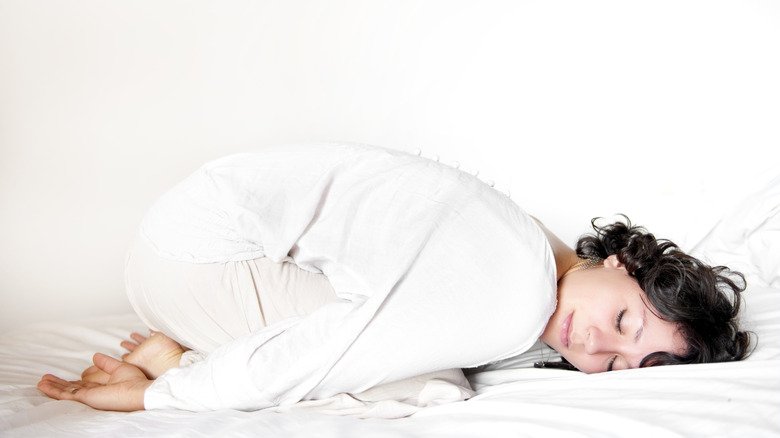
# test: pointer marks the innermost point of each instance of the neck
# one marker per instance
(582, 264)
(569, 264)
(565, 257)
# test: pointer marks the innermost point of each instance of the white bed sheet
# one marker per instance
(732, 399)
(696, 400)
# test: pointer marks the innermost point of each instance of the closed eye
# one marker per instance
(611, 363)
(619, 321)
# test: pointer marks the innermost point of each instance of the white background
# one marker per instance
(668, 111)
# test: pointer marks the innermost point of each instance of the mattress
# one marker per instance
(512, 398)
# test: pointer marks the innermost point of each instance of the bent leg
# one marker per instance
(204, 305)
(199, 305)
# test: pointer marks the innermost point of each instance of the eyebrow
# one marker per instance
(642, 327)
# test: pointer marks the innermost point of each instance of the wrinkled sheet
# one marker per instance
(732, 399)
(694, 400)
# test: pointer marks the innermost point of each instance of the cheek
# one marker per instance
(584, 362)
(551, 330)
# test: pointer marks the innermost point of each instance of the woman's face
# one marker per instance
(602, 323)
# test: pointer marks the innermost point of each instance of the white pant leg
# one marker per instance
(205, 305)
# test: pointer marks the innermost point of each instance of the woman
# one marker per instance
(301, 272)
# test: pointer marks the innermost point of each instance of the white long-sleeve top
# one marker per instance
(433, 270)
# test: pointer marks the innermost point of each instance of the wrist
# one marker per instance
(139, 391)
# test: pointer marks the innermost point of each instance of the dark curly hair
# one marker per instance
(703, 301)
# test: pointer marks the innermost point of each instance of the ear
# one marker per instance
(613, 262)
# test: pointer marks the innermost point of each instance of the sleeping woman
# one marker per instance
(306, 271)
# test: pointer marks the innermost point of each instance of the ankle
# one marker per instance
(167, 361)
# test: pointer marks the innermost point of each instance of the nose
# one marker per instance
(597, 341)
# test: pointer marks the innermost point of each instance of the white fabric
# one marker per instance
(731, 399)
(433, 270)
(205, 305)
(722, 399)
(395, 399)
(749, 237)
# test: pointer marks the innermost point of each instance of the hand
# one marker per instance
(124, 390)
(96, 375)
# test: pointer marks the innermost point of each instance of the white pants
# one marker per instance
(205, 305)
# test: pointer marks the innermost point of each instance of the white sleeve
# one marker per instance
(271, 367)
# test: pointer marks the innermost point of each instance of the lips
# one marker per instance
(566, 330)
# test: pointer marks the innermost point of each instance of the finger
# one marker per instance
(88, 385)
(50, 388)
(99, 378)
(60, 389)
(91, 370)
(106, 363)
(53, 378)
(124, 356)
(94, 375)
(137, 337)
(129, 346)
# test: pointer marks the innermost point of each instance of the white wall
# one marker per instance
(664, 110)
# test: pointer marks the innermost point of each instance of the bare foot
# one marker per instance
(154, 355)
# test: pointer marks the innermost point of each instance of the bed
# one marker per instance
(511, 397)
(104, 104)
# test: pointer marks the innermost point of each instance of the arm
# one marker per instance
(274, 366)
(256, 371)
